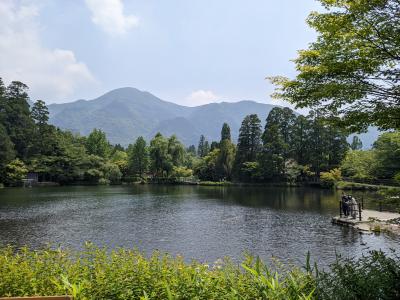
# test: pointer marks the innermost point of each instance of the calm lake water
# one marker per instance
(203, 223)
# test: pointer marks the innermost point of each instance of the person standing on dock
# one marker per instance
(353, 207)
(345, 205)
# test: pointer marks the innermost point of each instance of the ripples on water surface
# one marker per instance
(203, 223)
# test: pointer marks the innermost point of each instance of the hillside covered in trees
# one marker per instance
(124, 114)
(290, 148)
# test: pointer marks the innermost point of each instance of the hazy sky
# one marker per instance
(186, 51)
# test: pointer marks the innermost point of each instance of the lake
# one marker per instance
(203, 223)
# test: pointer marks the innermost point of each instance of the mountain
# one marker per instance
(126, 113)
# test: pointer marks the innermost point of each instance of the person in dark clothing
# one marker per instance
(345, 205)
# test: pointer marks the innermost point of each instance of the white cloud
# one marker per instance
(201, 97)
(109, 15)
(50, 73)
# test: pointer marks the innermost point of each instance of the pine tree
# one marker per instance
(248, 147)
(356, 143)
(301, 132)
(214, 145)
(138, 157)
(192, 150)
(249, 141)
(203, 148)
(7, 153)
(277, 141)
(225, 132)
(45, 141)
(17, 117)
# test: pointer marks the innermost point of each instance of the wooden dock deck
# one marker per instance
(366, 217)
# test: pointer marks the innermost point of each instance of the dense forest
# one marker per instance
(291, 148)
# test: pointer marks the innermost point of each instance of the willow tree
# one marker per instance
(351, 73)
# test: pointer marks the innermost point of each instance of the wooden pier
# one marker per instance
(367, 216)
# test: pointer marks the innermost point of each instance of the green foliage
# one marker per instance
(249, 144)
(181, 172)
(16, 117)
(203, 148)
(191, 150)
(329, 179)
(306, 140)
(112, 173)
(374, 276)
(138, 156)
(7, 153)
(397, 177)
(352, 68)
(277, 138)
(292, 170)
(120, 158)
(293, 148)
(127, 274)
(94, 176)
(176, 150)
(250, 171)
(97, 144)
(359, 164)
(356, 143)
(40, 113)
(15, 172)
(161, 161)
(225, 159)
(225, 132)
(387, 149)
(97, 273)
(206, 169)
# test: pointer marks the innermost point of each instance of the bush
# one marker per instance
(15, 172)
(375, 276)
(127, 274)
(93, 175)
(95, 273)
(397, 178)
(329, 179)
(181, 172)
(112, 173)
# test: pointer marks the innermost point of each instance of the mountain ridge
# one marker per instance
(126, 113)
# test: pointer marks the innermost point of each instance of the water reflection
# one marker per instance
(203, 223)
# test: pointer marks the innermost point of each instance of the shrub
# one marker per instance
(329, 179)
(397, 178)
(93, 175)
(112, 173)
(181, 172)
(15, 172)
(374, 276)
(97, 273)
(127, 274)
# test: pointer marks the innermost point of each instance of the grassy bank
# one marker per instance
(347, 185)
(126, 274)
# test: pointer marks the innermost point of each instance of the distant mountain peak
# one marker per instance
(126, 113)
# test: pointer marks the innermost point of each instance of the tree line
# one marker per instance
(289, 148)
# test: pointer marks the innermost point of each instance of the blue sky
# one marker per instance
(189, 52)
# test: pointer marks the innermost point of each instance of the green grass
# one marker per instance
(215, 183)
(96, 273)
(346, 185)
